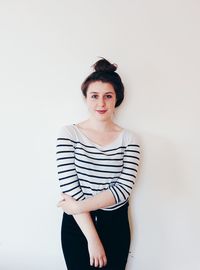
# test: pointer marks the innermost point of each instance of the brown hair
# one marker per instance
(105, 72)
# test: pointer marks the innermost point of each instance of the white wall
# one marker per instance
(46, 50)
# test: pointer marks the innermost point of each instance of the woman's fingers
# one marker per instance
(101, 262)
(91, 261)
(104, 260)
(98, 262)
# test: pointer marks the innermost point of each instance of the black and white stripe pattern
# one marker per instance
(85, 169)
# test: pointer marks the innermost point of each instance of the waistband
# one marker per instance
(110, 212)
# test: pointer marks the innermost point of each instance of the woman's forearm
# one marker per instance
(86, 225)
(95, 247)
(101, 200)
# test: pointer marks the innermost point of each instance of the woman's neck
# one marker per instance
(100, 126)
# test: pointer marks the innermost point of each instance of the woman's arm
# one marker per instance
(66, 171)
(69, 184)
(86, 225)
(73, 207)
(95, 247)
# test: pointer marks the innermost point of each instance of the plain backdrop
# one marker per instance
(46, 51)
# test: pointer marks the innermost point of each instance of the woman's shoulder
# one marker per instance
(66, 131)
(131, 136)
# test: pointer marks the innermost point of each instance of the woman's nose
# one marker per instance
(101, 102)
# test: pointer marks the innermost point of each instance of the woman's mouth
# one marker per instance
(101, 111)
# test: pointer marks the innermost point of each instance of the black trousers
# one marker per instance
(114, 232)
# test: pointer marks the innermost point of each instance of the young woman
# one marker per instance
(97, 164)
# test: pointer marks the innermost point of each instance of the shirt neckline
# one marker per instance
(96, 144)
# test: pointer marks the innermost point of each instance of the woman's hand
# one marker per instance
(69, 205)
(97, 253)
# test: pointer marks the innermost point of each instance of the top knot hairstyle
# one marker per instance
(105, 72)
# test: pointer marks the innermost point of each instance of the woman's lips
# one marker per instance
(101, 111)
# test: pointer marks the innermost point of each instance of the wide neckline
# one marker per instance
(96, 144)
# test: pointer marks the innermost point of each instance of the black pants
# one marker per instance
(114, 232)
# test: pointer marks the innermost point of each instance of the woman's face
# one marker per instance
(101, 99)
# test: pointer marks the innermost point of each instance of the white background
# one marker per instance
(46, 51)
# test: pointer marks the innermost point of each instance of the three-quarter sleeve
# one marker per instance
(66, 172)
(121, 189)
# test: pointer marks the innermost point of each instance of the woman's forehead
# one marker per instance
(100, 87)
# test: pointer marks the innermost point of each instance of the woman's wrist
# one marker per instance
(92, 237)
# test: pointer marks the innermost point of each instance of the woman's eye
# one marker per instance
(94, 96)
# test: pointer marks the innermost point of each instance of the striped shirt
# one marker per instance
(85, 168)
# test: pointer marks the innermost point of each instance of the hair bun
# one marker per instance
(104, 65)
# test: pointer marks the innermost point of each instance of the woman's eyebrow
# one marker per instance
(99, 92)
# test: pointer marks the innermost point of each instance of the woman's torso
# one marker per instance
(97, 166)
